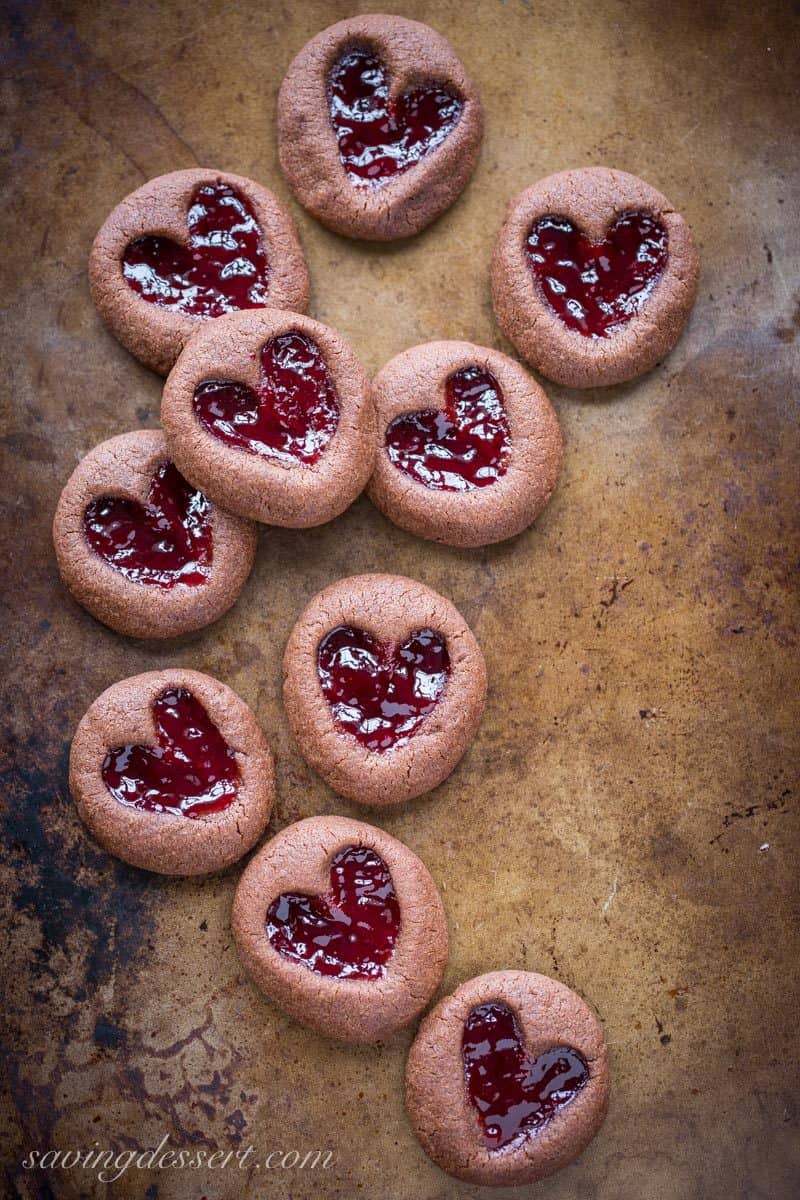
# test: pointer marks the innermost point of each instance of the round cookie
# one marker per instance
(140, 548)
(170, 772)
(342, 926)
(507, 1080)
(384, 686)
(269, 413)
(469, 448)
(594, 275)
(185, 248)
(379, 126)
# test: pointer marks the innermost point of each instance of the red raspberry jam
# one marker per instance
(381, 692)
(465, 445)
(164, 542)
(380, 137)
(595, 287)
(291, 417)
(351, 930)
(192, 771)
(514, 1094)
(222, 268)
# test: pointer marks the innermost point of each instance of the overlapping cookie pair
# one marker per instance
(272, 417)
(342, 925)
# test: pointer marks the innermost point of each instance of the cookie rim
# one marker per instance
(297, 496)
(417, 196)
(480, 516)
(130, 608)
(592, 198)
(154, 334)
(375, 603)
(353, 1010)
(549, 1013)
(166, 843)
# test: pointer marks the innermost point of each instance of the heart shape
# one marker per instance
(223, 267)
(596, 287)
(164, 542)
(458, 448)
(514, 1094)
(381, 692)
(191, 772)
(349, 931)
(293, 415)
(379, 137)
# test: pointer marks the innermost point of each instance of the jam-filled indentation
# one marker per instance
(380, 137)
(514, 1095)
(381, 692)
(165, 542)
(350, 931)
(596, 287)
(191, 772)
(223, 267)
(458, 448)
(291, 416)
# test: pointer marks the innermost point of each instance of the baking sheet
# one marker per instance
(626, 819)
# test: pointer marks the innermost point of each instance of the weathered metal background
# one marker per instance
(627, 818)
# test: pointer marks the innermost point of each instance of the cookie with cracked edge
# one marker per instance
(449, 1126)
(376, 620)
(511, 443)
(220, 451)
(161, 602)
(592, 199)
(298, 861)
(124, 726)
(408, 56)
(156, 332)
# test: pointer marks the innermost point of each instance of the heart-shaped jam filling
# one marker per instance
(291, 417)
(381, 692)
(351, 930)
(192, 771)
(595, 287)
(463, 446)
(380, 137)
(513, 1093)
(164, 542)
(222, 268)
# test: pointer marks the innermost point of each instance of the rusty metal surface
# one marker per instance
(627, 817)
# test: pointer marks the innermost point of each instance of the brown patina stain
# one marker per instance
(627, 815)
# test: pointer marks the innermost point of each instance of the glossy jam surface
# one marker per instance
(595, 287)
(164, 542)
(223, 268)
(291, 417)
(463, 446)
(351, 930)
(381, 692)
(514, 1094)
(379, 137)
(192, 771)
